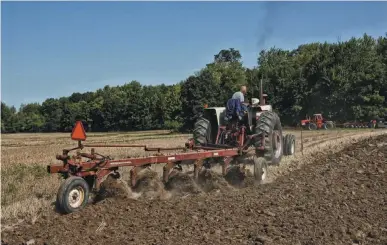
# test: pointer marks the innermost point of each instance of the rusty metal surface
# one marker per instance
(112, 145)
(146, 148)
(55, 168)
(100, 166)
(196, 153)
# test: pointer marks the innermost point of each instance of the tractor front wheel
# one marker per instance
(73, 195)
(312, 126)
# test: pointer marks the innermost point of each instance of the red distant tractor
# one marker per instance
(317, 122)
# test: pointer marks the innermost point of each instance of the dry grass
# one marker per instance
(27, 189)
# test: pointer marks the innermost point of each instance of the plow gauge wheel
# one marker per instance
(73, 195)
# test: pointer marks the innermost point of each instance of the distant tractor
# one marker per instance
(317, 122)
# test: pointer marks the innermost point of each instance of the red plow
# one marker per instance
(84, 172)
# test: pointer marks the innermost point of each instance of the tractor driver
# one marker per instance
(241, 96)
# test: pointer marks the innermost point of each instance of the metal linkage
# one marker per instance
(91, 172)
(100, 166)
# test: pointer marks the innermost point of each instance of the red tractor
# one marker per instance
(317, 122)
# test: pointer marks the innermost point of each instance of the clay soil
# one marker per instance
(338, 198)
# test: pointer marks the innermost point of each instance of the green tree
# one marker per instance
(197, 91)
(343, 80)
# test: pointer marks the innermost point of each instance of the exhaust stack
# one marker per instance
(261, 99)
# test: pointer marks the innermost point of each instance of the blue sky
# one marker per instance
(52, 49)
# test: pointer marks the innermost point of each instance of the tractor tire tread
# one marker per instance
(265, 126)
(202, 131)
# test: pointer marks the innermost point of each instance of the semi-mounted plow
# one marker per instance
(254, 138)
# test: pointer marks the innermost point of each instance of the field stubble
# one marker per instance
(28, 191)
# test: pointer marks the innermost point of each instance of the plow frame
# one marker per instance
(90, 169)
(99, 166)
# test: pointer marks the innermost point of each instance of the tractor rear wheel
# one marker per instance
(202, 131)
(269, 127)
(289, 144)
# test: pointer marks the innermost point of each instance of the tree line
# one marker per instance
(344, 81)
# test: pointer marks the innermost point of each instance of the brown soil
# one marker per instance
(336, 199)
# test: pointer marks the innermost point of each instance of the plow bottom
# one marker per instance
(73, 194)
(262, 146)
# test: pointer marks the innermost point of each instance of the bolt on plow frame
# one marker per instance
(234, 149)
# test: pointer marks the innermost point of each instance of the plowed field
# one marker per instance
(336, 193)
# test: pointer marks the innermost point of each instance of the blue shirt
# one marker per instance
(238, 95)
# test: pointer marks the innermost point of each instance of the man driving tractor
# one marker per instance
(241, 96)
(237, 105)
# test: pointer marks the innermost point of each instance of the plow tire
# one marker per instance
(267, 125)
(202, 131)
(72, 187)
(260, 169)
(289, 144)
